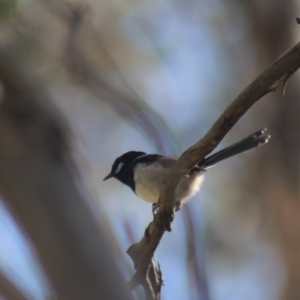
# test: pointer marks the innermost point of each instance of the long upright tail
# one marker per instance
(253, 141)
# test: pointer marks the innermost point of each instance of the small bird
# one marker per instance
(144, 173)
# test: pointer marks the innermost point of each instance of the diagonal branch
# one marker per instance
(269, 80)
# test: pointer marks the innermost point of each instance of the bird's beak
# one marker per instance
(108, 176)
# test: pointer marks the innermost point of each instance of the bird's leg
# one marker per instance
(177, 206)
(155, 207)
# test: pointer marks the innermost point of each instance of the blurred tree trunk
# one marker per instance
(273, 27)
(39, 183)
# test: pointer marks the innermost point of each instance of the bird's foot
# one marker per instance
(178, 205)
(155, 207)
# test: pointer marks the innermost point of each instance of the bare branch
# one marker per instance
(273, 77)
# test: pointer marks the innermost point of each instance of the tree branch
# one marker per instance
(272, 78)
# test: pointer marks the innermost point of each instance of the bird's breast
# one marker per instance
(148, 183)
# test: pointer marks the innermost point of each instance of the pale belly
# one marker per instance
(148, 185)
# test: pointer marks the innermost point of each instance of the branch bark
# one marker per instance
(269, 80)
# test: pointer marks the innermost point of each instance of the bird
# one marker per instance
(144, 173)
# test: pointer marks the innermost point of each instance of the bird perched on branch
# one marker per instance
(144, 173)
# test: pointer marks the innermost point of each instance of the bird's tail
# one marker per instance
(253, 141)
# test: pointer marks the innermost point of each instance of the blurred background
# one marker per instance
(154, 76)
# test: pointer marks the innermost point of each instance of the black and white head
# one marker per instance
(122, 168)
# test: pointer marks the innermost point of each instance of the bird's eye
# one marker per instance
(119, 167)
